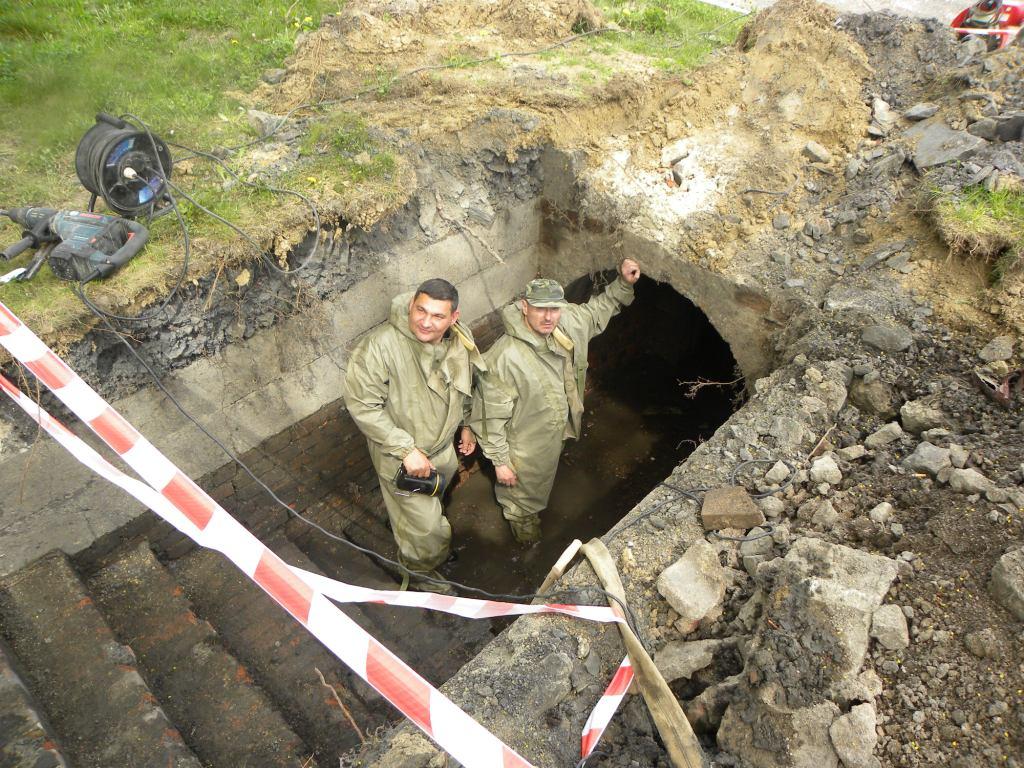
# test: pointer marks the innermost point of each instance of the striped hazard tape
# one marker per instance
(306, 596)
(606, 707)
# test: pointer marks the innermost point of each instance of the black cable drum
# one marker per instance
(108, 150)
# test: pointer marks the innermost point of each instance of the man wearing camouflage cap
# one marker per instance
(531, 400)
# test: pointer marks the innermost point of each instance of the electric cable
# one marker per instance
(253, 185)
(147, 316)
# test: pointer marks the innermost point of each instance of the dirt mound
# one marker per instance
(510, 19)
(365, 45)
(733, 142)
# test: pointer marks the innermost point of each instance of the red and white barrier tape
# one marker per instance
(303, 594)
(606, 707)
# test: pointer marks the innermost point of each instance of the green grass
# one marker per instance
(985, 224)
(675, 34)
(168, 61)
(341, 147)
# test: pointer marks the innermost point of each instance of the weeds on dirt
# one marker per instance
(983, 224)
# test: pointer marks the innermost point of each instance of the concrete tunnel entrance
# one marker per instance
(639, 424)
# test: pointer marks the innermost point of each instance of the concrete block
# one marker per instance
(729, 507)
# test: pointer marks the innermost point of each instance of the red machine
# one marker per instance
(1000, 21)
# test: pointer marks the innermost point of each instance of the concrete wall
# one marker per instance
(252, 390)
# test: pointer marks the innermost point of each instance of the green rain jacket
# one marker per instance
(405, 394)
(531, 399)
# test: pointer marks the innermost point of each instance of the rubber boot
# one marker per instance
(440, 586)
(526, 529)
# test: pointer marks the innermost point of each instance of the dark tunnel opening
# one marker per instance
(661, 380)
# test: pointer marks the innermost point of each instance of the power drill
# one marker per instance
(90, 245)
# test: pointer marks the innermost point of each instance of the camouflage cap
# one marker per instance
(545, 293)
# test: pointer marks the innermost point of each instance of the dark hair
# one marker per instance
(441, 290)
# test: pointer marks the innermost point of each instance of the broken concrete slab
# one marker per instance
(854, 737)
(760, 732)
(680, 659)
(864, 572)
(695, 584)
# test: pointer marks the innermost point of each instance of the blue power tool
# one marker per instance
(80, 246)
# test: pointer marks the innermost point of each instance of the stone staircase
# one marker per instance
(136, 662)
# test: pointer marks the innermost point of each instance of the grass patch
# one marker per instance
(985, 225)
(675, 34)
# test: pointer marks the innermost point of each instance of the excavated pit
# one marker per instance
(273, 395)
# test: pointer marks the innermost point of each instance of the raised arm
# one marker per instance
(595, 315)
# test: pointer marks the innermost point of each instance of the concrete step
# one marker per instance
(25, 740)
(434, 644)
(282, 656)
(226, 719)
(86, 681)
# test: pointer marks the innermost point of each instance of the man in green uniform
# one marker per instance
(531, 399)
(408, 387)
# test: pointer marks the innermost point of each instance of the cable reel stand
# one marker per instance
(127, 167)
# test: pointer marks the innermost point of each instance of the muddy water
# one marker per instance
(638, 426)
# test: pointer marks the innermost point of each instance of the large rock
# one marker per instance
(695, 584)
(921, 111)
(873, 396)
(817, 153)
(937, 144)
(1007, 584)
(679, 659)
(1011, 127)
(969, 481)
(890, 433)
(825, 470)
(889, 627)
(854, 737)
(1000, 348)
(919, 415)
(860, 571)
(729, 507)
(928, 458)
(889, 337)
